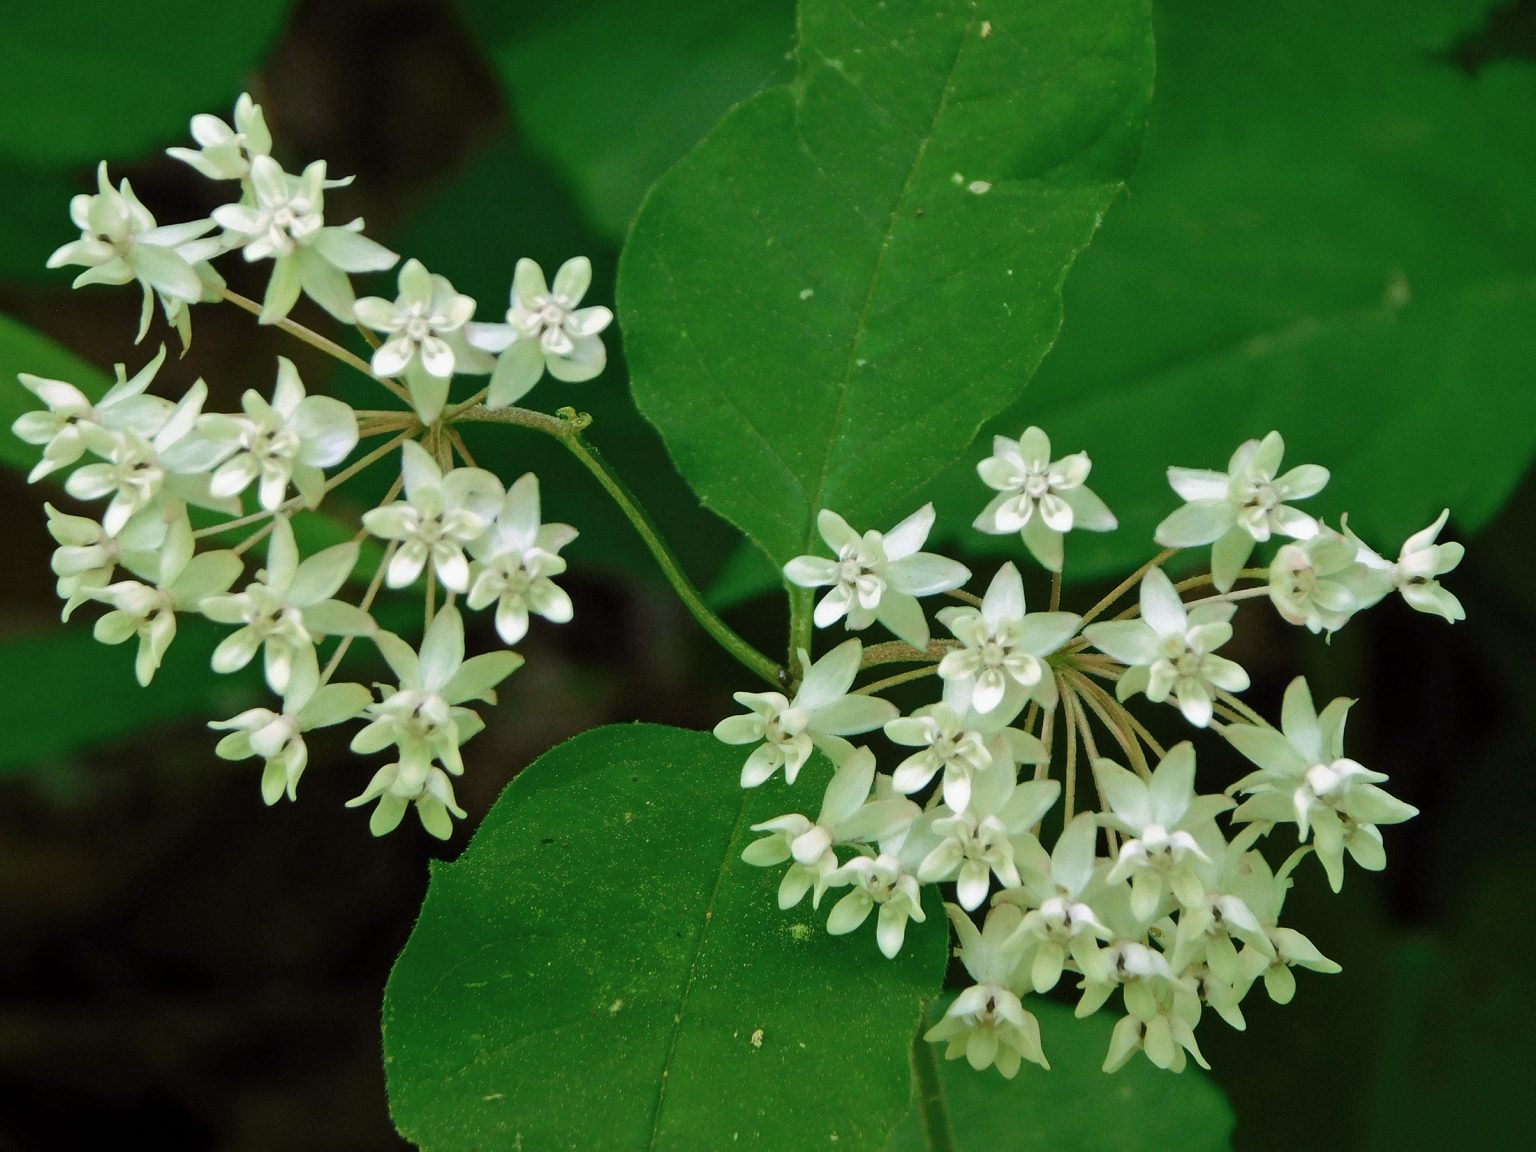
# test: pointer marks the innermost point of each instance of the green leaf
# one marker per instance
(823, 302)
(82, 81)
(601, 970)
(1329, 234)
(614, 91)
(65, 693)
(1075, 1107)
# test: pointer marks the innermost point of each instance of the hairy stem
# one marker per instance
(900, 652)
(567, 427)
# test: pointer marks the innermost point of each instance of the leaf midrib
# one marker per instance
(693, 969)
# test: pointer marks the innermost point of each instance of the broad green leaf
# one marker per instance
(449, 235)
(825, 299)
(1329, 234)
(601, 970)
(36, 217)
(64, 692)
(81, 80)
(614, 91)
(1075, 1107)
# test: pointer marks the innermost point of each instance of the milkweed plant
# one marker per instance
(1153, 901)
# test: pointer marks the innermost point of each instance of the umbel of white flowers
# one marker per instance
(1178, 911)
(150, 462)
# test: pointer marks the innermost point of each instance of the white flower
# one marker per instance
(1321, 582)
(278, 737)
(544, 329)
(1060, 921)
(1003, 650)
(120, 243)
(987, 1023)
(1264, 893)
(821, 713)
(60, 430)
(1164, 1029)
(1247, 504)
(1170, 649)
(515, 559)
(287, 608)
(424, 717)
(149, 611)
(1160, 817)
(1209, 930)
(848, 815)
(87, 557)
(1305, 777)
(134, 471)
(395, 786)
(225, 153)
(1038, 498)
(291, 439)
(946, 743)
(425, 344)
(877, 880)
(440, 516)
(284, 222)
(984, 840)
(877, 576)
(1418, 564)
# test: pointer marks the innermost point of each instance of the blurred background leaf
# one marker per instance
(613, 92)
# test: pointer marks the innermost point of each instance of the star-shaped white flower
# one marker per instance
(1322, 581)
(987, 1023)
(278, 737)
(514, 561)
(1264, 892)
(877, 576)
(1059, 920)
(440, 516)
(283, 220)
(60, 430)
(424, 717)
(399, 786)
(224, 152)
(1419, 565)
(1161, 818)
(148, 611)
(1249, 503)
(425, 342)
(877, 881)
(120, 243)
(544, 330)
(984, 840)
(1170, 650)
(1304, 777)
(1002, 661)
(287, 608)
(848, 816)
(87, 558)
(292, 439)
(1039, 498)
(821, 713)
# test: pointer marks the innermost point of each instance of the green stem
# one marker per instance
(801, 625)
(315, 340)
(931, 1105)
(567, 426)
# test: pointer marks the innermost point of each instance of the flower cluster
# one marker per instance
(184, 494)
(1159, 898)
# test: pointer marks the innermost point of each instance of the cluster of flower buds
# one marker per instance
(1145, 894)
(179, 485)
